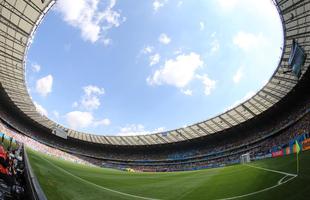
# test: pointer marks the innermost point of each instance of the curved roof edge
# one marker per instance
(20, 19)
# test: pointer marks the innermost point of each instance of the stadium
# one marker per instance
(258, 149)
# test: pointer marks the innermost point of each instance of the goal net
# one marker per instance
(245, 158)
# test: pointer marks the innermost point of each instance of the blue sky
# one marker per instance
(137, 67)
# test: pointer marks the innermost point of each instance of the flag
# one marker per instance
(297, 147)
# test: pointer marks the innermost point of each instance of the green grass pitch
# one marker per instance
(65, 180)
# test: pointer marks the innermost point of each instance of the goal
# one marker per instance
(245, 158)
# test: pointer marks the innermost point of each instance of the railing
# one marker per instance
(34, 189)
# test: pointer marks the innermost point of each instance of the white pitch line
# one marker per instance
(98, 186)
(280, 181)
(266, 189)
(271, 170)
(229, 198)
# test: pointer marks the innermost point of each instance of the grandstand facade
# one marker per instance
(255, 126)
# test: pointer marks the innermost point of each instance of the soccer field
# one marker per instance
(266, 179)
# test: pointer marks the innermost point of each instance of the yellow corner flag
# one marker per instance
(297, 152)
(297, 147)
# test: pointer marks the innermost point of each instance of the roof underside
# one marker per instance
(20, 18)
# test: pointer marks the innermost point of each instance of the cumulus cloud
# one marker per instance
(40, 109)
(137, 129)
(238, 75)
(89, 102)
(90, 99)
(79, 119)
(187, 92)
(154, 59)
(104, 122)
(44, 85)
(208, 83)
(147, 50)
(36, 67)
(177, 72)
(88, 16)
(248, 41)
(93, 90)
(157, 4)
(164, 39)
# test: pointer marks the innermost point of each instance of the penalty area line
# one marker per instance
(98, 186)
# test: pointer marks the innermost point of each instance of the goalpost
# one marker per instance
(245, 158)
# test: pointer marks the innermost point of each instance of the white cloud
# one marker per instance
(90, 99)
(93, 90)
(79, 119)
(107, 41)
(177, 72)
(238, 75)
(104, 122)
(44, 85)
(35, 67)
(92, 21)
(154, 59)
(90, 102)
(160, 129)
(164, 39)
(208, 83)
(137, 129)
(157, 4)
(248, 41)
(202, 26)
(40, 109)
(187, 92)
(132, 128)
(178, 51)
(147, 50)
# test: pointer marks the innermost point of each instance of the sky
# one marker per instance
(114, 67)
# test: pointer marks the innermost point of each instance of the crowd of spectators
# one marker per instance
(258, 145)
(258, 141)
(38, 146)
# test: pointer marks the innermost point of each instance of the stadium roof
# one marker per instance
(19, 20)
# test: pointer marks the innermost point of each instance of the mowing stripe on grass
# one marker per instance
(283, 180)
(98, 186)
(280, 182)
(260, 191)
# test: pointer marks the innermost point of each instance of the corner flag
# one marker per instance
(297, 147)
(297, 152)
